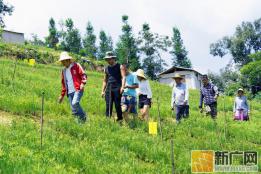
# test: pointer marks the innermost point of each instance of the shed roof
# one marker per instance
(176, 68)
(13, 32)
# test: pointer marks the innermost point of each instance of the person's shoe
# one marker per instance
(82, 120)
(119, 119)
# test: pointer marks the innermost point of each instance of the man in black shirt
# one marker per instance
(111, 86)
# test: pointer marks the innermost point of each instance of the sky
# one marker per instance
(201, 22)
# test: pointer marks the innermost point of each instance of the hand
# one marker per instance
(60, 100)
(172, 108)
(102, 94)
(122, 90)
(185, 102)
(200, 110)
(215, 97)
(81, 87)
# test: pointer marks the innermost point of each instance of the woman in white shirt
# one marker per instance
(241, 109)
(145, 94)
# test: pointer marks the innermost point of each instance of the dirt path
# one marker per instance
(5, 118)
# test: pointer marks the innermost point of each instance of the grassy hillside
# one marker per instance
(102, 146)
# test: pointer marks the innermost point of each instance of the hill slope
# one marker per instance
(102, 146)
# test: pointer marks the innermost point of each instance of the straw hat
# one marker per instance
(141, 73)
(240, 89)
(177, 76)
(109, 55)
(64, 56)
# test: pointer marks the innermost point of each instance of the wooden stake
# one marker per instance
(14, 71)
(172, 156)
(41, 121)
(159, 117)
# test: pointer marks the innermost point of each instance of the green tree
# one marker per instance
(53, 38)
(252, 71)
(106, 44)
(245, 41)
(127, 50)
(72, 38)
(89, 42)
(5, 9)
(36, 41)
(110, 43)
(225, 77)
(179, 51)
(151, 45)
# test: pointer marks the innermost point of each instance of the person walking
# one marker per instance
(145, 94)
(73, 80)
(112, 83)
(128, 90)
(209, 94)
(179, 98)
(241, 108)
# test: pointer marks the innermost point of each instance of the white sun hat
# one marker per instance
(141, 73)
(64, 56)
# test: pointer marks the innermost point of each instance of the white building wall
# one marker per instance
(12, 37)
(190, 77)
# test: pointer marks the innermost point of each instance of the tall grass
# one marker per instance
(102, 146)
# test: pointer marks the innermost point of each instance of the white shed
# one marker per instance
(191, 77)
(13, 37)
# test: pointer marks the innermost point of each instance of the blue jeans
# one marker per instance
(77, 110)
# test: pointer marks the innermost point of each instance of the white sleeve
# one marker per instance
(216, 90)
(186, 93)
(138, 89)
(172, 97)
(149, 90)
(235, 105)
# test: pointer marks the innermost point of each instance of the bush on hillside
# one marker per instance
(232, 88)
(41, 54)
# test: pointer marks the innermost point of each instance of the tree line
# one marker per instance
(144, 51)
(244, 70)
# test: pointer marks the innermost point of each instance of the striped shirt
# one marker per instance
(207, 94)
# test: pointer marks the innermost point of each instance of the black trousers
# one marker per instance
(182, 111)
(111, 97)
(213, 110)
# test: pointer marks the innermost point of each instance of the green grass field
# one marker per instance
(102, 146)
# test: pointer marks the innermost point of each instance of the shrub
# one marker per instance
(232, 88)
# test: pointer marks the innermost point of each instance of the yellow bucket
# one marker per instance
(153, 130)
(32, 62)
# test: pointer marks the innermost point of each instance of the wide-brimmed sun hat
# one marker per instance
(240, 89)
(177, 76)
(141, 73)
(64, 56)
(109, 55)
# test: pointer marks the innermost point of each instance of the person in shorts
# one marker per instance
(128, 91)
(145, 95)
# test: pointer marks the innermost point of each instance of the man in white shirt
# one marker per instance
(179, 99)
(73, 80)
